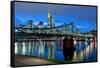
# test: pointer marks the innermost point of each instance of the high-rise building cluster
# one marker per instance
(41, 23)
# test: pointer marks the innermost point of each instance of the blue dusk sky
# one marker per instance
(84, 17)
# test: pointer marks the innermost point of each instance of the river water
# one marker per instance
(84, 52)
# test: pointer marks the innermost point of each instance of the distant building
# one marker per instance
(41, 24)
(53, 24)
(50, 20)
(30, 24)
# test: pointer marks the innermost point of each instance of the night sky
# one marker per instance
(84, 17)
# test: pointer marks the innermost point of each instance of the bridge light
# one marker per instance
(74, 40)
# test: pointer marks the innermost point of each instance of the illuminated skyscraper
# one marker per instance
(50, 20)
(53, 24)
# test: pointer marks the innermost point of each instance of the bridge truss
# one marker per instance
(65, 29)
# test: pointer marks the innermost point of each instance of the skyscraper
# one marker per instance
(30, 25)
(50, 19)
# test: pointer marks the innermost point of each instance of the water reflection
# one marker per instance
(85, 51)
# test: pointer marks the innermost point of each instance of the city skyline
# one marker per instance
(84, 17)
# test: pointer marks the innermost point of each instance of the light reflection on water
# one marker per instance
(84, 52)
